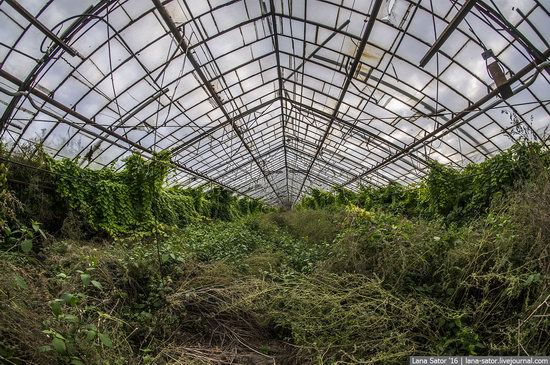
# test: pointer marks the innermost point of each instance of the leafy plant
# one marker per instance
(118, 202)
(23, 237)
(456, 196)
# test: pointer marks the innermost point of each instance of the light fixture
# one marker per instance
(497, 74)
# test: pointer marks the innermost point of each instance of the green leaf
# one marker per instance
(35, 226)
(77, 361)
(90, 335)
(86, 279)
(91, 327)
(68, 298)
(55, 305)
(59, 345)
(97, 284)
(533, 278)
(20, 282)
(45, 348)
(70, 318)
(26, 246)
(105, 340)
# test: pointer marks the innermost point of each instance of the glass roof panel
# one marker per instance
(273, 98)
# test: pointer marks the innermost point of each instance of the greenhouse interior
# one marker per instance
(274, 181)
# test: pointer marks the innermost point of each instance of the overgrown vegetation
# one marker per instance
(114, 202)
(456, 196)
(372, 277)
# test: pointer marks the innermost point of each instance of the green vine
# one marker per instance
(447, 193)
(118, 202)
(3, 177)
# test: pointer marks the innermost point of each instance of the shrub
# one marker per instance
(457, 196)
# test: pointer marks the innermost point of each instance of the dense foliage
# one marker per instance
(118, 202)
(445, 193)
(362, 281)
(115, 202)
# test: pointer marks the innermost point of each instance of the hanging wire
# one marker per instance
(437, 73)
(111, 76)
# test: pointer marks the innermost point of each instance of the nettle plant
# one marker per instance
(15, 235)
(77, 323)
(22, 237)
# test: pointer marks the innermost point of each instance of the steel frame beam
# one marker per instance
(276, 149)
(296, 169)
(353, 127)
(317, 49)
(241, 165)
(283, 15)
(368, 29)
(281, 89)
(296, 104)
(25, 14)
(453, 24)
(196, 66)
(531, 66)
(67, 34)
(222, 125)
(329, 164)
(103, 129)
(279, 97)
(489, 16)
(510, 29)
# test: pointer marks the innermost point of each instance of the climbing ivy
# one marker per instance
(3, 177)
(447, 193)
(459, 195)
(175, 206)
(135, 197)
(145, 179)
(103, 197)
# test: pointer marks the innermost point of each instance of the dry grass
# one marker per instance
(23, 309)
